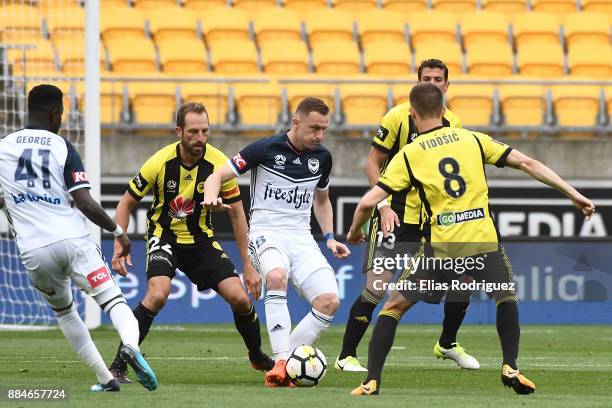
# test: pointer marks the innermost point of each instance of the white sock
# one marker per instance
(309, 329)
(78, 336)
(278, 322)
(125, 323)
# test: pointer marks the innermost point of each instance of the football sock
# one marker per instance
(509, 331)
(454, 312)
(145, 319)
(358, 322)
(247, 325)
(123, 321)
(79, 338)
(380, 343)
(309, 329)
(278, 322)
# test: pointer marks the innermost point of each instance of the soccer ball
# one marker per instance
(306, 366)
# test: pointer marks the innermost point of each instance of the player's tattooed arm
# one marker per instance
(362, 213)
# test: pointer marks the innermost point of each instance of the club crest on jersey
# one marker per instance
(313, 165)
(181, 207)
(171, 186)
(239, 162)
(200, 187)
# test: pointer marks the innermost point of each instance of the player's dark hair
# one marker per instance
(427, 100)
(312, 105)
(433, 63)
(44, 98)
(187, 107)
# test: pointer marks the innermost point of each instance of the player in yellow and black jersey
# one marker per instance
(180, 233)
(401, 217)
(446, 166)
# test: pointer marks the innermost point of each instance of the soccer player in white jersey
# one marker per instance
(39, 171)
(289, 177)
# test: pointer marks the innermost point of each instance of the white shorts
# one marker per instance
(299, 255)
(52, 267)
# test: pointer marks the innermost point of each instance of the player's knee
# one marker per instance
(155, 300)
(276, 279)
(240, 303)
(398, 305)
(327, 303)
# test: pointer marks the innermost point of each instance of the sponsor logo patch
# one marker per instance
(448, 218)
(181, 208)
(79, 176)
(382, 133)
(239, 161)
(98, 277)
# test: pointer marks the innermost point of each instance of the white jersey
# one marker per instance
(38, 170)
(283, 182)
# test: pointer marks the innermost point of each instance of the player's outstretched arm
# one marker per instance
(544, 174)
(362, 213)
(126, 205)
(212, 186)
(252, 279)
(388, 218)
(325, 217)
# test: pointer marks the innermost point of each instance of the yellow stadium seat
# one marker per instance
(234, 57)
(296, 92)
(536, 27)
(111, 102)
(450, 53)
(277, 23)
(455, 6)
(484, 27)
(363, 104)
(106, 3)
(522, 105)
(389, 59)
(284, 57)
(591, 60)
(329, 25)
(254, 5)
(151, 4)
(491, 60)
(336, 57)
(222, 24)
(404, 6)
(39, 59)
(20, 23)
(182, 57)
(71, 53)
(212, 95)
(432, 26)
(381, 25)
(204, 4)
(172, 23)
(558, 7)
(66, 22)
(258, 104)
(588, 28)
(401, 92)
(506, 7)
(120, 23)
(472, 103)
(132, 55)
(305, 5)
(153, 102)
(576, 105)
(542, 60)
(355, 6)
(598, 6)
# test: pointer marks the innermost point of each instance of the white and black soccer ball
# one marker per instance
(306, 366)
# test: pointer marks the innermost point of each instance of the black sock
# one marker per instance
(247, 325)
(145, 319)
(358, 322)
(454, 312)
(380, 343)
(509, 331)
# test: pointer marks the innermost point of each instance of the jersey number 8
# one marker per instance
(450, 176)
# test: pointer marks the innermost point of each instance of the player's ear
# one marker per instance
(179, 132)
(446, 84)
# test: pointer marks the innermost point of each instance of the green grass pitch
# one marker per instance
(206, 365)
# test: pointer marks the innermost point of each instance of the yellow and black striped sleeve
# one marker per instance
(142, 182)
(388, 130)
(493, 151)
(396, 176)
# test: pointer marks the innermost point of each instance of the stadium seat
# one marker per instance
(576, 105)
(305, 5)
(381, 25)
(132, 55)
(506, 7)
(71, 54)
(258, 103)
(558, 7)
(491, 60)
(329, 25)
(110, 3)
(234, 57)
(522, 105)
(65, 22)
(472, 103)
(599, 6)
(336, 57)
(119, 23)
(212, 95)
(591, 60)
(111, 102)
(151, 4)
(153, 102)
(204, 4)
(389, 59)
(20, 23)
(455, 6)
(541, 60)
(253, 5)
(355, 6)
(277, 23)
(401, 92)
(284, 57)
(587, 28)
(172, 23)
(40, 60)
(432, 27)
(484, 27)
(451, 55)
(536, 27)
(182, 57)
(298, 91)
(404, 7)
(223, 24)
(363, 104)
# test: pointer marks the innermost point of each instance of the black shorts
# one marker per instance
(491, 272)
(205, 263)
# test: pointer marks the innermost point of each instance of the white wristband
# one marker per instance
(118, 231)
(382, 204)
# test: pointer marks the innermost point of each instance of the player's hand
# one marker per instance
(355, 236)
(119, 261)
(339, 250)
(252, 280)
(585, 205)
(388, 220)
(216, 204)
